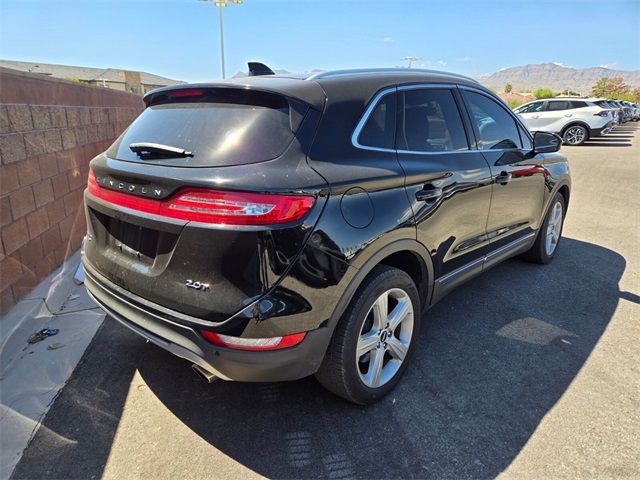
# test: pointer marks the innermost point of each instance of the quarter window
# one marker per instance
(380, 128)
(496, 127)
(527, 144)
(430, 121)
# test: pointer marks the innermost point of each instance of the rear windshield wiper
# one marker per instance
(158, 150)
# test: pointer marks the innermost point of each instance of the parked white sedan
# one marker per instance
(574, 119)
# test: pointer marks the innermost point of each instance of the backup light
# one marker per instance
(253, 344)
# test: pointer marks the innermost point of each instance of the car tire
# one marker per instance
(367, 355)
(550, 233)
(575, 135)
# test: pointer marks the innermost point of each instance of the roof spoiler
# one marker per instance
(257, 69)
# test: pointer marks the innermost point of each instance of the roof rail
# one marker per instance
(373, 71)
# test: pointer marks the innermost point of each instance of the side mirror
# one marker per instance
(545, 142)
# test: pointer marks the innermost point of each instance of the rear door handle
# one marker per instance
(427, 194)
(503, 178)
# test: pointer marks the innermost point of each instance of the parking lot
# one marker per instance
(526, 371)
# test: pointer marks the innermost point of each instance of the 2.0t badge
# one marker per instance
(197, 285)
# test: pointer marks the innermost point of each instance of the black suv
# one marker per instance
(271, 228)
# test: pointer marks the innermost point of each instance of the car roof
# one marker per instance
(314, 89)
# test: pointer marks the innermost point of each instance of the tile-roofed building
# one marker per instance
(125, 80)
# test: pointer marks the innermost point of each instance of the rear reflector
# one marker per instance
(253, 344)
(213, 206)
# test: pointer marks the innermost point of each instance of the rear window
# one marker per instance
(220, 128)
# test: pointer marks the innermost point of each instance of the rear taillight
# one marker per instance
(213, 206)
(253, 344)
(603, 113)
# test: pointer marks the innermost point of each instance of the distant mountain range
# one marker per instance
(544, 75)
(556, 77)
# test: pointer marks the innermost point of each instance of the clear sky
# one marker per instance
(179, 38)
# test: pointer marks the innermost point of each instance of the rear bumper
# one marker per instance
(185, 342)
(599, 132)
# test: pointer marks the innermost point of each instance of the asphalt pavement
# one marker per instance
(525, 372)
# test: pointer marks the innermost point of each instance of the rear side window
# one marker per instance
(430, 121)
(577, 104)
(496, 127)
(380, 128)
(220, 128)
(558, 105)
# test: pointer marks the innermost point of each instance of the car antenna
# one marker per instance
(257, 69)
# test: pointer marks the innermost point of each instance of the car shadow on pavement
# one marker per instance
(493, 358)
(619, 137)
(599, 143)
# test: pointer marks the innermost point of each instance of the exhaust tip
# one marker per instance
(204, 373)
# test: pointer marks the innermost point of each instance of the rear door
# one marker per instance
(518, 177)
(557, 113)
(448, 182)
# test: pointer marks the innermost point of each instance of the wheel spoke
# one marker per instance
(397, 348)
(375, 367)
(367, 342)
(558, 216)
(381, 312)
(398, 314)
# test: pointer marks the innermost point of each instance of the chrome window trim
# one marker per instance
(374, 103)
(365, 117)
(446, 152)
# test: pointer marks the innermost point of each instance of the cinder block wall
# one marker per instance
(49, 131)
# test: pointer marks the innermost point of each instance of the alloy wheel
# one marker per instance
(575, 135)
(384, 338)
(554, 227)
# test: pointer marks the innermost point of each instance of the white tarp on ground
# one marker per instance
(32, 375)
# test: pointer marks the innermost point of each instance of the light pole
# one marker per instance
(410, 59)
(220, 4)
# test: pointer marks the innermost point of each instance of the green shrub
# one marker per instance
(543, 93)
(507, 88)
(514, 103)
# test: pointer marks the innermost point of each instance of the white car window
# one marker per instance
(532, 107)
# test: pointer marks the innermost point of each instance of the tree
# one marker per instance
(613, 87)
(543, 93)
(507, 88)
(635, 95)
